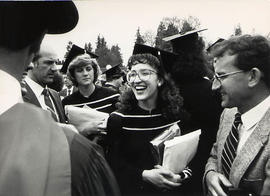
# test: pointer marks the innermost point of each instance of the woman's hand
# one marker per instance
(162, 178)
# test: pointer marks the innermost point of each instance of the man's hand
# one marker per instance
(161, 178)
(216, 182)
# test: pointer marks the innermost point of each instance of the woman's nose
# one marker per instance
(85, 72)
(137, 78)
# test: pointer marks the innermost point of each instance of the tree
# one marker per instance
(237, 30)
(102, 51)
(88, 47)
(166, 28)
(149, 38)
(160, 34)
(116, 56)
(107, 56)
(139, 38)
(188, 24)
(171, 26)
(68, 47)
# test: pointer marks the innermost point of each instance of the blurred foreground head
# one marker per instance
(23, 26)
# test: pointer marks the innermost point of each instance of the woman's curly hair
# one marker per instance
(169, 99)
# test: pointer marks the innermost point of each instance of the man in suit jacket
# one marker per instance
(242, 76)
(42, 74)
(68, 89)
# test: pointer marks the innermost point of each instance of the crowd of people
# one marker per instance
(43, 153)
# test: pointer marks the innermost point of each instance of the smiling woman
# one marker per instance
(149, 106)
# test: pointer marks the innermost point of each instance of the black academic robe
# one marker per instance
(102, 99)
(129, 134)
(204, 107)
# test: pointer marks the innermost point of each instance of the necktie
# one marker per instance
(69, 91)
(49, 104)
(230, 147)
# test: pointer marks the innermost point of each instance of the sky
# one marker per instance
(118, 20)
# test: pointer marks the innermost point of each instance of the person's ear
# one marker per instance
(255, 76)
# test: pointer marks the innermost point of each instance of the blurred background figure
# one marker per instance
(114, 77)
(68, 87)
(189, 72)
(211, 58)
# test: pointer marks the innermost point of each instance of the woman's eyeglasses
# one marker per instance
(143, 74)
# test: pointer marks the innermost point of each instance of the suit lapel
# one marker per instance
(250, 149)
(30, 96)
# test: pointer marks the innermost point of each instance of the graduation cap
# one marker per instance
(215, 43)
(183, 41)
(113, 71)
(166, 58)
(74, 52)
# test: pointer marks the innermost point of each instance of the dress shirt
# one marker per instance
(38, 89)
(10, 91)
(250, 119)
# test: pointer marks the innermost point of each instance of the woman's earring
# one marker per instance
(159, 84)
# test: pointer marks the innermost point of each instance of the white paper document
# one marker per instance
(79, 117)
(180, 150)
(158, 142)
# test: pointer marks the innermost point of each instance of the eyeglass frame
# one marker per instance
(219, 77)
(137, 74)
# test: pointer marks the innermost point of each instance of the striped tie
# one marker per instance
(49, 104)
(230, 147)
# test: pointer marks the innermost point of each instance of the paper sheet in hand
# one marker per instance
(179, 151)
(81, 116)
(158, 142)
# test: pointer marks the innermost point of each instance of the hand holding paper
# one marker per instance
(86, 118)
(158, 142)
(179, 151)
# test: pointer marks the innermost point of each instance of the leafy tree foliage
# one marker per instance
(149, 37)
(171, 26)
(68, 47)
(237, 30)
(107, 56)
(88, 47)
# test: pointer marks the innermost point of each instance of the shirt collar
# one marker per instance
(36, 88)
(10, 91)
(254, 115)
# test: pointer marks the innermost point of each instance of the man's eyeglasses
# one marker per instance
(143, 74)
(222, 76)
